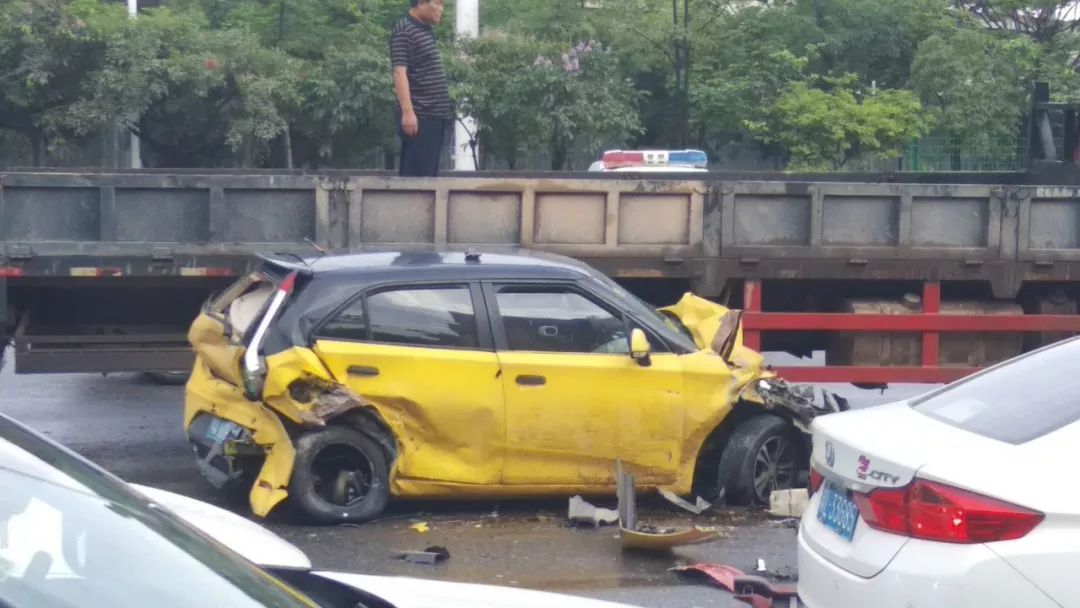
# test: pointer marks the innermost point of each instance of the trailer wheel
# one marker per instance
(760, 456)
(339, 475)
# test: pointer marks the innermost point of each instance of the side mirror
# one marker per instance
(640, 350)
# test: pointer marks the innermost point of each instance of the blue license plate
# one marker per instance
(837, 511)
(220, 430)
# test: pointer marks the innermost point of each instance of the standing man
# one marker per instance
(423, 97)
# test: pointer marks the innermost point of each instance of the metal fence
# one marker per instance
(946, 153)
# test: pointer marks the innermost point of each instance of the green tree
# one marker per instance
(977, 81)
(739, 76)
(202, 96)
(526, 94)
(1041, 20)
(47, 50)
(823, 127)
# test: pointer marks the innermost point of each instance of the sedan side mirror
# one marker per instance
(640, 350)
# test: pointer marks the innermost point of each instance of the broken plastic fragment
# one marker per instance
(636, 539)
(788, 503)
(636, 535)
(431, 555)
(420, 527)
(582, 511)
(721, 575)
(699, 507)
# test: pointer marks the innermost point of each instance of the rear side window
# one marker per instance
(440, 317)
(349, 324)
(1016, 403)
(242, 302)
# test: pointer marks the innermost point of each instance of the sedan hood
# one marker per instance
(243, 536)
(405, 592)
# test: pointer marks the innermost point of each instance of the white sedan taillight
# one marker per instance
(934, 511)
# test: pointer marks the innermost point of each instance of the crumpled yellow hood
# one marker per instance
(704, 318)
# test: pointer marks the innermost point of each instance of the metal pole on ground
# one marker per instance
(135, 147)
(467, 26)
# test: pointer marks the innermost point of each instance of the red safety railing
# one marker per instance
(930, 323)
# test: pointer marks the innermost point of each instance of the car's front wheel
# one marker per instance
(339, 475)
(761, 456)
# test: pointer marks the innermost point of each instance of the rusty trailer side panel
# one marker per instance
(95, 237)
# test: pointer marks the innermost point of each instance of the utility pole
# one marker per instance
(467, 26)
(136, 148)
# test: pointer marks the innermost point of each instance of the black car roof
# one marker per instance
(518, 264)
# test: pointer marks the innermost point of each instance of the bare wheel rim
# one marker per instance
(774, 467)
(343, 475)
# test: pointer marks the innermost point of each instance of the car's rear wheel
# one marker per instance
(761, 456)
(339, 475)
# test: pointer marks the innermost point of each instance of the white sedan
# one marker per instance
(74, 536)
(961, 498)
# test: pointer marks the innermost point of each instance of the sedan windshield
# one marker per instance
(73, 536)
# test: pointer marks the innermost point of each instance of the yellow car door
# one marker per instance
(575, 399)
(420, 354)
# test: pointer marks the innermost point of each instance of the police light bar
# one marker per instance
(618, 159)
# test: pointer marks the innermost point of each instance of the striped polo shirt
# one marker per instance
(413, 45)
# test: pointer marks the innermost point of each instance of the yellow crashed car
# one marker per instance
(343, 381)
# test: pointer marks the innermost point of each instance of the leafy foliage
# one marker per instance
(801, 83)
(824, 127)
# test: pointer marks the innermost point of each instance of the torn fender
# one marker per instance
(717, 328)
(210, 395)
(300, 387)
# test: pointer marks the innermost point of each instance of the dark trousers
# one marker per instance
(421, 153)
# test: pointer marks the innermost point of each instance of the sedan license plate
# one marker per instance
(838, 511)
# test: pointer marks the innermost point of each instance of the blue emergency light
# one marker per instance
(617, 159)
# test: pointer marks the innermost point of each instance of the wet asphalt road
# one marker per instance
(133, 428)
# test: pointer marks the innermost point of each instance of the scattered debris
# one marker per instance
(787, 522)
(753, 590)
(661, 541)
(721, 575)
(799, 401)
(761, 565)
(431, 555)
(784, 573)
(760, 593)
(699, 507)
(635, 535)
(421, 527)
(788, 503)
(582, 511)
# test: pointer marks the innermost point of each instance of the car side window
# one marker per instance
(553, 319)
(434, 317)
(349, 324)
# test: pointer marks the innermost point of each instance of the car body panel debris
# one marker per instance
(429, 556)
(755, 590)
(722, 575)
(299, 357)
(667, 538)
(638, 535)
(581, 510)
(788, 503)
(700, 504)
